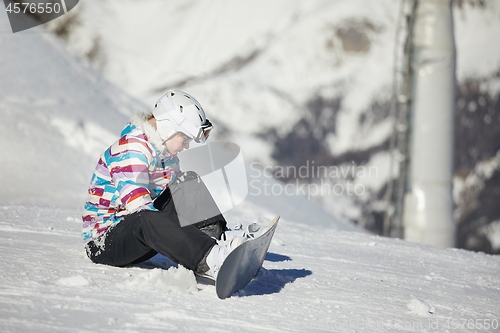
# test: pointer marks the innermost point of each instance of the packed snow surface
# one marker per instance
(313, 279)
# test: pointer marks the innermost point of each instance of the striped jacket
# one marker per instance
(127, 178)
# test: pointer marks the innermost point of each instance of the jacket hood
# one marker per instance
(140, 120)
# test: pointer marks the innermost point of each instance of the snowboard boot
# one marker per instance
(234, 237)
(212, 261)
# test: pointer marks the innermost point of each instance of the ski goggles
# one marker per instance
(202, 135)
(204, 131)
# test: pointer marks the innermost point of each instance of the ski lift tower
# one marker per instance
(428, 204)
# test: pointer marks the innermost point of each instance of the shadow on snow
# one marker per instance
(275, 257)
(272, 281)
(267, 281)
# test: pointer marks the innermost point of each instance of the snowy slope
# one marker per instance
(52, 105)
(313, 281)
(56, 108)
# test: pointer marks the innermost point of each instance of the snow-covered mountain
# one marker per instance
(58, 114)
(306, 84)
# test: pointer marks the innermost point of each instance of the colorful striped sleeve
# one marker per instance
(128, 163)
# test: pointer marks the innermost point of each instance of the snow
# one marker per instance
(476, 54)
(313, 280)
(320, 274)
(420, 307)
(492, 232)
(48, 97)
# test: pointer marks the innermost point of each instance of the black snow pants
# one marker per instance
(143, 234)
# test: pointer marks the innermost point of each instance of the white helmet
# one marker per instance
(177, 111)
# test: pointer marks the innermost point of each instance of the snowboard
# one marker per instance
(243, 263)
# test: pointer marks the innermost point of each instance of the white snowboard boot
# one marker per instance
(230, 239)
(219, 253)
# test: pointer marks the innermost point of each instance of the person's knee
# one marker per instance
(158, 218)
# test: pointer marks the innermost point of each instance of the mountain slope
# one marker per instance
(58, 114)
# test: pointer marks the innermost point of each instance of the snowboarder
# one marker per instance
(130, 214)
